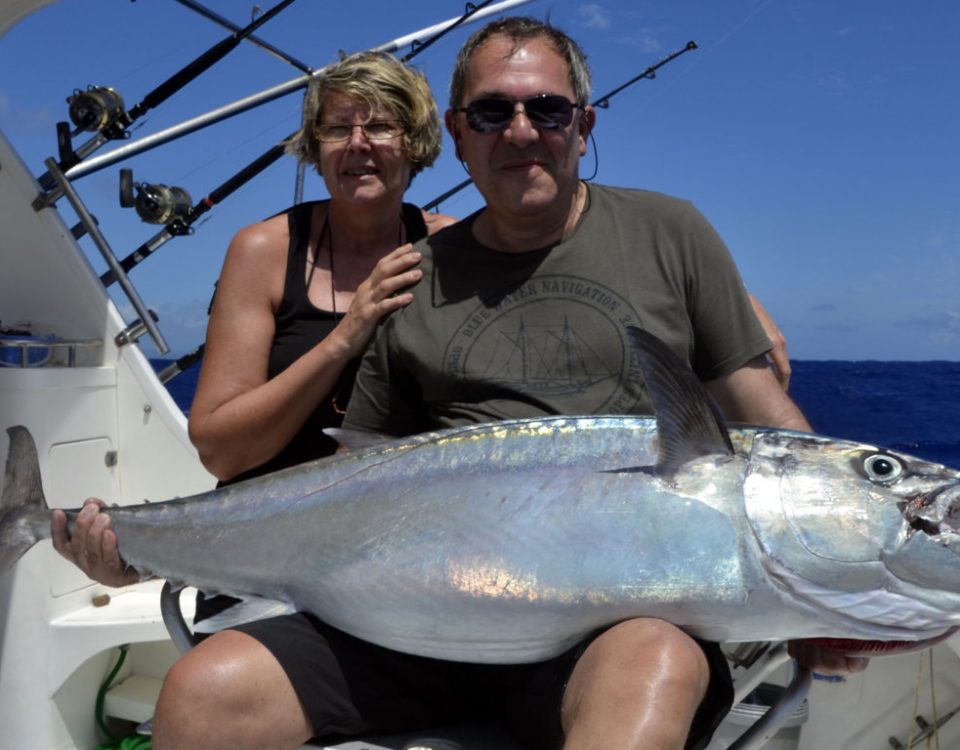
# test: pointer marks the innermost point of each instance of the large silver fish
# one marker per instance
(509, 542)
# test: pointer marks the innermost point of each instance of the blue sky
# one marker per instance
(819, 137)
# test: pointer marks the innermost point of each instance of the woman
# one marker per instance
(298, 298)
(301, 292)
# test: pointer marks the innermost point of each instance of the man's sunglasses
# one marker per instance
(544, 111)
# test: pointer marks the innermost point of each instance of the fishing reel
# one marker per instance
(99, 109)
(156, 204)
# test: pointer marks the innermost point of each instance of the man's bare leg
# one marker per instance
(229, 692)
(637, 686)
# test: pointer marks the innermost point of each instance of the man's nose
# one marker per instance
(520, 130)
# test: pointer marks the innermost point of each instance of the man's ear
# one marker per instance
(450, 120)
(585, 123)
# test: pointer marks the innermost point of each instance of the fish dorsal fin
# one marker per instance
(689, 425)
(357, 440)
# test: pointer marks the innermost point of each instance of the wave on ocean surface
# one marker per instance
(913, 407)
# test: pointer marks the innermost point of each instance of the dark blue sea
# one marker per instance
(913, 407)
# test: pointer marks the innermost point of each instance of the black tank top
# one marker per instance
(299, 327)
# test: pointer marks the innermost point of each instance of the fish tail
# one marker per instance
(24, 513)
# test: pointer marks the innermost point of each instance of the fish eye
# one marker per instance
(881, 467)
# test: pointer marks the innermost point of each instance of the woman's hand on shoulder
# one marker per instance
(382, 292)
(385, 290)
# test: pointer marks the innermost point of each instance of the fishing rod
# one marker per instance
(159, 199)
(182, 221)
(231, 26)
(602, 102)
(650, 73)
(212, 117)
(101, 108)
(416, 46)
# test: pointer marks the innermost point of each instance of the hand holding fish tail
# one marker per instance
(92, 545)
(825, 660)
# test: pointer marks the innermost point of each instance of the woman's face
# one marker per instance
(361, 168)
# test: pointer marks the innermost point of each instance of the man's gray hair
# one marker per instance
(521, 29)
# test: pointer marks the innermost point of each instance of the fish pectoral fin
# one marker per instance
(248, 609)
(689, 424)
(357, 440)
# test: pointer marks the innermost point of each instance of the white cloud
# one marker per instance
(944, 322)
(835, 82)
(593, 16)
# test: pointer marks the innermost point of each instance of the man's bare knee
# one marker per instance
(641, 678)
(228, 692)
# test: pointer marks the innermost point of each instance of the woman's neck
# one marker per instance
(366, 230)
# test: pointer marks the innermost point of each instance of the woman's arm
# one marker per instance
(239, 418)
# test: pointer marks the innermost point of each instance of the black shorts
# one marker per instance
(350, 688)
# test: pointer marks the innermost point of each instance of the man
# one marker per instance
(523, 310)
(539, 304)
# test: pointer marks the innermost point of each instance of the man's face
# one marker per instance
(521, 169)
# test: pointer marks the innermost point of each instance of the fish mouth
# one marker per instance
(855, 647)
(934, 513)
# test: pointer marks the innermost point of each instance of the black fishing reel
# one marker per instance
(99, 109)
(156, 204)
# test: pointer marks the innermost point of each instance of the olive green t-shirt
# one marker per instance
(493, 335)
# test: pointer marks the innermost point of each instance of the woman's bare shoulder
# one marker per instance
(262, 237)
(436, 222)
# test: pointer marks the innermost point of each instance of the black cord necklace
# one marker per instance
(326, 233)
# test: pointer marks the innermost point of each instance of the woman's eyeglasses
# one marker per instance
(544, 111)
(375, 130)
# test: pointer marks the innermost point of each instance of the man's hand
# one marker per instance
(92, 545)
(824, 660)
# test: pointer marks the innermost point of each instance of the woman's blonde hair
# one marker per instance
(381, 81)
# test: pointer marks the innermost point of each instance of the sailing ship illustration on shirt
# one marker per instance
(546, 359)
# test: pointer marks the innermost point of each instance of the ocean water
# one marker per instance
(913, 407)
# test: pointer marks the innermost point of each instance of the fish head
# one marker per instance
(875, 530)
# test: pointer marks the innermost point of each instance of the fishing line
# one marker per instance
(916, 701)
(935, 735)
(707, 52)
(735, 29)
(235, 147)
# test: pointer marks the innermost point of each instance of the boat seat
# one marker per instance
(478, 738)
